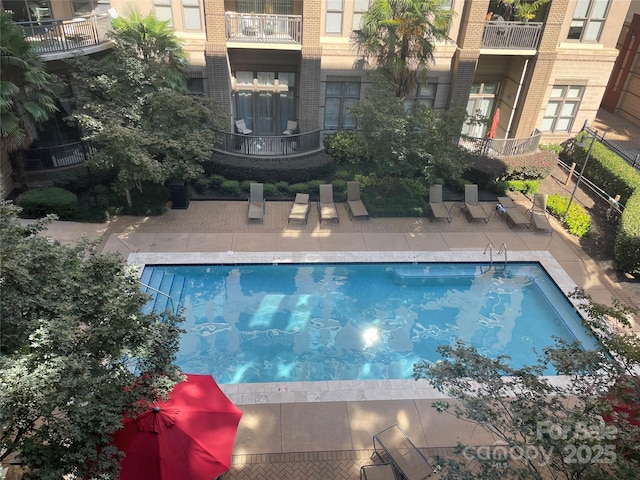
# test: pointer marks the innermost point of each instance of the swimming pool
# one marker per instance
(318, 322)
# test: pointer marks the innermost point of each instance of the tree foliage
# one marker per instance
(400, 36)
(74, 340)
(143, 129)
(546, 428)
(401, 142)
(26, 96)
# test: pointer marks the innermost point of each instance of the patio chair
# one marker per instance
(394, 444)
(379, 471)
(326, 206)
(291, 127)
(300, 208)
(539, 213)
(242, 127)
(472, 206)
(438, 208)
(354, 203)
(256, 207)
(513, 214)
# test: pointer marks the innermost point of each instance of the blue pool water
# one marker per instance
(313, 322)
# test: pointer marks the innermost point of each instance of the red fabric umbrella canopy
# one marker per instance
(190, 436)
(494, 124)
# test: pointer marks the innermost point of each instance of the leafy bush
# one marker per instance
(345, 146)
(577, 221)
(339, 190)
(627, 246)
(551, 147)
(417, 186)
(298, 188)
(230, 188)
(283, 187)
(245, 185)
(40, 202)
(500, 188)
(150, 202)
(393, 199)
(314, 185)
(528, 187)
(270, 190)
(202, 184)
(534, 166)
(342, 175)
(216, 181)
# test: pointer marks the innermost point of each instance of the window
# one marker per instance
(425, 95)
(359, 7)
(162, 9)
(564, 103)
(86, 7)
(588, 19)
(191, 14)
(339, 98)
(334, 16)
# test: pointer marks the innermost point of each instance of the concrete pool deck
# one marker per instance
(332, 439)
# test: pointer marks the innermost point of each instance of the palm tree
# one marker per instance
(156, 43)
(400, 36)
(26, 96)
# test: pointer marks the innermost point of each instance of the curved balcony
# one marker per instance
(48, 158)
(261, 146)
(502, 147)
(60, 38)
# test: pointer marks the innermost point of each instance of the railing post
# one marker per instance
(570, 174)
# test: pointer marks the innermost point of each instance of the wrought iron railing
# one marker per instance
(46, 158)
(62, 35)
(255, 28)
(267, 146)
(512, 35)
(502, 147)
(632, 159)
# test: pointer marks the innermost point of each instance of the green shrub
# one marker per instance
(283, 187)
(417, 186)
(245, 185)
(551, 147)
(342, 175)
(270, 190)
(345, 146)
(40, 202)
(216, 181)
(230, 188)
(627, 246)
(533, 166)
(298, 188)
(314, 185)
(393, 199)
(528, 187)
(500, 187)
(577, 221)
(150, 202)
(339, 190)
(202, 184)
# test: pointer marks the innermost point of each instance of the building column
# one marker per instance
(463, 72)
(309, 94)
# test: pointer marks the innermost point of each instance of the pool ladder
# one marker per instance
(501, 251)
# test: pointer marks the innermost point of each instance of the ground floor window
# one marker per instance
(265, 100)
(424, 94)
(339, 98)
(479, 108)
(564, 103)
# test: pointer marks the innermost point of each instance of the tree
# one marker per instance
(400, 36)
(401, 142)
(156, 43)
(74, 343)
(523, 10)
(546, 429)
(26, 96)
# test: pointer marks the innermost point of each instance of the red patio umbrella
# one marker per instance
(494, 124)
(190, 435)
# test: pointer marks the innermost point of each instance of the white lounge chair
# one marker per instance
(256, 207)
(291, 127)
(326, 206)
(300, 208)
(242, 127)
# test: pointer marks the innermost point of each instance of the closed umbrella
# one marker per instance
(189, 436)
(494, 124)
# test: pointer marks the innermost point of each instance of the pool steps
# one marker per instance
(165, 289)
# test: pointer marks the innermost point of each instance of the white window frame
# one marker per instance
(558, 119)
(359, 8)
(581, 27)
(191, 9)
(160, 10)
(333, 10)
(346, 100)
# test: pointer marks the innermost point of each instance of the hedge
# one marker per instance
(40, 202)
(577, 221)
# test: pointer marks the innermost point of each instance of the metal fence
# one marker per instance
(502, 147)
(59, 156)
(254, 27)
(512, 35)
(267, 146)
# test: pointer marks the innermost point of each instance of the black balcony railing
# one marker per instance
(502, 147)
(51, 36)
(267, 146)
(46, 158)
(263, 28)
(511, 35)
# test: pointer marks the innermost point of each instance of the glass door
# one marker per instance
(480, 108)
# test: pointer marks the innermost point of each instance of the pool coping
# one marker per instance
(346, 390)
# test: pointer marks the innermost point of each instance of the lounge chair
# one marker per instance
(438, 208)
(326, 206)
(256, 206)
(394, 445)
(539, 213)
(300, 208)
(514, 215)
(292, 126)
(379, 471)
(354, 204)
(242, 127)
(472, 206)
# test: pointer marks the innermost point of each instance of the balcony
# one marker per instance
(502, 147)
(56, 38)
(511, 35)
(263, 28)
(263, 146)
(48, 158)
